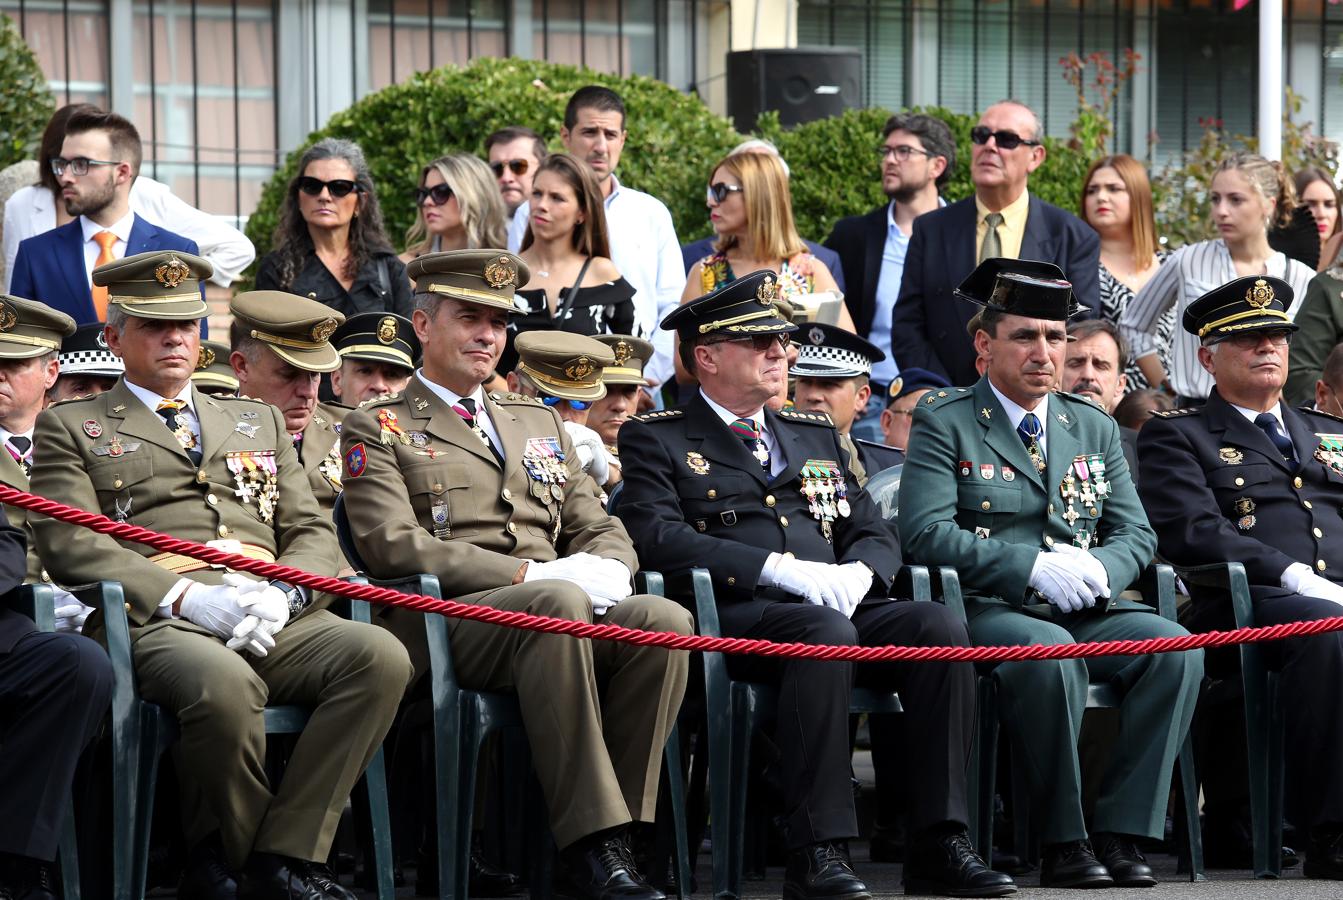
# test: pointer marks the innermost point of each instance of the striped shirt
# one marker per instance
(1188, 274)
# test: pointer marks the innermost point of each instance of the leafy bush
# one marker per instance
(27, 104)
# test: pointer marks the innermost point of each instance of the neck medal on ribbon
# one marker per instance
(827, 495)
(255, 473)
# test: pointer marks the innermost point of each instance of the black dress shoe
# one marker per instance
(604, 869)
(822, 872)
(39, 883)
(1072, 865)
(206, 875)
(1324, 856)
(1125, 862)
(483, 878)
(272, 877)
(950, 867)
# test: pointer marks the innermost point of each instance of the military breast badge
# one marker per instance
(256, 476)
(826, 492)
(389, 429)
(1330, 451)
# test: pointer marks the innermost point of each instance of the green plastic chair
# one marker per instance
(37, 602)
(1099, 696)
(1264, 725)
(142, 731)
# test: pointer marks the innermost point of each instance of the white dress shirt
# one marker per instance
(14, 451)
(646, 252)
(1016, 413)
(452, 398)
(32, 210)
(151, 399)
(121, 228)
(777, 463)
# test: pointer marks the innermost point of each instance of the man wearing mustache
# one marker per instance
(1093, 367)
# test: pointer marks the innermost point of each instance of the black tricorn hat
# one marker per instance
(1021, 287)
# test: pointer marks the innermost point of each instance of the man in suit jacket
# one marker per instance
(798, 552)
(214, 648)
(1026, 492)
(1248, 479)
(485, 492)
(1093, 367)
(1002, 219)
(918, 155)
(99, 159)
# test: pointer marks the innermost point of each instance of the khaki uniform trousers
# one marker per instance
(596, 713)
(352, 676)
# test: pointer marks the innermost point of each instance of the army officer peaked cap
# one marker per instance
(29, 328)
(487, 277)
(1252, 303)
(298, 329)
(1021, 287)
(564, 364)
(631, 355)
(161, 284)
(740, 308)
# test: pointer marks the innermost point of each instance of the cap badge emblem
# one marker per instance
(1260, 295)
(387, 330)
(102, 340)
(768, 291)
(172, 273)
(205, 358)
(816, 336)
(323, 330)
(501, 273)
(579, 369)
(623, 352)
(1001, 291)
(8, 317)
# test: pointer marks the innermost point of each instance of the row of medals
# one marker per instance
(548, 476)
(827, 498)
(1089, 494)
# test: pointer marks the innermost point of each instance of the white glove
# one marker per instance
(591, 451)
(1091, 569)
(1299, 579)
(606, 581)
(70, 613)
(267, 608)
(812, 581)
(1056, 578)
(219, 610)
(852, 582)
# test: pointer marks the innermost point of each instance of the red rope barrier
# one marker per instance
(597, 631)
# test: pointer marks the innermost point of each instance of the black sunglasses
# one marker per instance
(338, 187)
(440, 193)
(1007, 140)
(516, 166)
(760, 343)
(718, 191)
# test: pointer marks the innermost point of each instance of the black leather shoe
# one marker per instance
(1324, 855)
(1072, 864)
(822, 872)
(271, 877)
(206, 875)
(1120, 855)
(40, 883)
(604, 869)
(950, 867)
(484, 879)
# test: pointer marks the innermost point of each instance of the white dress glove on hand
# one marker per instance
(852, 583)
(591, 451)
(214, 607)
(1056, 578)
(606, 581)
(1299, 579)
(1091, 569)
(267, 608)
(70, 613)
(812, 581)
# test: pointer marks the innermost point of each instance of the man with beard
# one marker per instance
(99, 160)
(917, 157)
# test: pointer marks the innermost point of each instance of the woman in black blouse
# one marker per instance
(330, 244)
(574, 285)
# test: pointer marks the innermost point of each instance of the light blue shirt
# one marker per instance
(1016, 413)
(888, 289)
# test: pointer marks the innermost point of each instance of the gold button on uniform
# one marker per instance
(1307, 504)
(986, 505)
(783, 520)
(1050, 509)
(1049, 541)
(201, 477)
(1093, 512)
(212, 499)
(1240, 482)
(712, 494)
(128, 607)
(223, 531)
(731, 581)
(1296, 482)
(437, 487)
(1318, 532)
(512, 528)
(508, 495)
(1320, 565)
(770, 501)
(117, 483)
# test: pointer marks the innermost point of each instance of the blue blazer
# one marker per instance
(928, 325)
(50, 266)
(696, 250)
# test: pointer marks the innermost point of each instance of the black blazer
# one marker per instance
(694, 251)
(928, 327)
(13, 568)
(860, 241)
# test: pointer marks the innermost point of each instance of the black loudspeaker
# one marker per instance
(801, 83)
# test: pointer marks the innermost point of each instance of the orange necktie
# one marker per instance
(105, 240)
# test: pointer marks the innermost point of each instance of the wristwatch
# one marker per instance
(297, 602)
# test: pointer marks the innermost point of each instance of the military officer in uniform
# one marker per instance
(86, 365)
(1247, 478)
(624, 379)
(903, 396)
(378, 353)
(833, 371)
(214, 374)
(485, 492)
(281, 347)
(211, 647)
(798, 552)
(1026, 492)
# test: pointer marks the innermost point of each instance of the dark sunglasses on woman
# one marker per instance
(1007, 140)
(440, 193)
(516, 166)
(718, 191)
(338, 187)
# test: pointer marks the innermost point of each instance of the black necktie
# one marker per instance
(298, 445)
(19, 449)
(1269, 423)
(466, 408)
(171, 411)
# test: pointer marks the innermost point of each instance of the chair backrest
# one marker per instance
(345, 535)
(884, 489)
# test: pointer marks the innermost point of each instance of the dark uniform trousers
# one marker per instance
(695, 496)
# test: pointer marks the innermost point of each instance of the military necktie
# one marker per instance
(993, 244)
(1030, 433)
(748, 430)
(171, 411)
(1269, 423)
(298, 445)
(466, 408)
(21, 448)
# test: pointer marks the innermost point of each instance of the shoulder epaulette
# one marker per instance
(80, 399)
(660, 415)
(1176, 413)
(1080, 398)
(1320, 412)
(372, 401)
(942, 396)
(794, 415)
(512, 397)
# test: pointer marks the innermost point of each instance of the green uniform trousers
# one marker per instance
(351, 675)
(596, 713)
(1041, 705)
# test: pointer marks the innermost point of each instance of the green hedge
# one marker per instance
(26, 102)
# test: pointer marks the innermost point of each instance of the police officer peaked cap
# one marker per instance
(84, 352)
(828, 351)
(1252, 303)
(740, 308)
(378, 336)
(1021, 287)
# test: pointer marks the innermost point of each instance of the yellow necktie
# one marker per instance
(105, 240)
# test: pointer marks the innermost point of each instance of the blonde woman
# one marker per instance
(459, 208)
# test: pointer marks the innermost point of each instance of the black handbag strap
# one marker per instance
(572, 295)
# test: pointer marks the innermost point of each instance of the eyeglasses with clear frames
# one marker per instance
(79, 165)
(902, 152)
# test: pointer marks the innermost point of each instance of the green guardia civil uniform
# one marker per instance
(972, 498)
(114, 455)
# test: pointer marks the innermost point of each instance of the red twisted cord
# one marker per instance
(454, 609)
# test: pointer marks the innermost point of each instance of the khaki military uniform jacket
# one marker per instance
(11, 473)
(111, 454)
(321, 453)
(424, 493)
